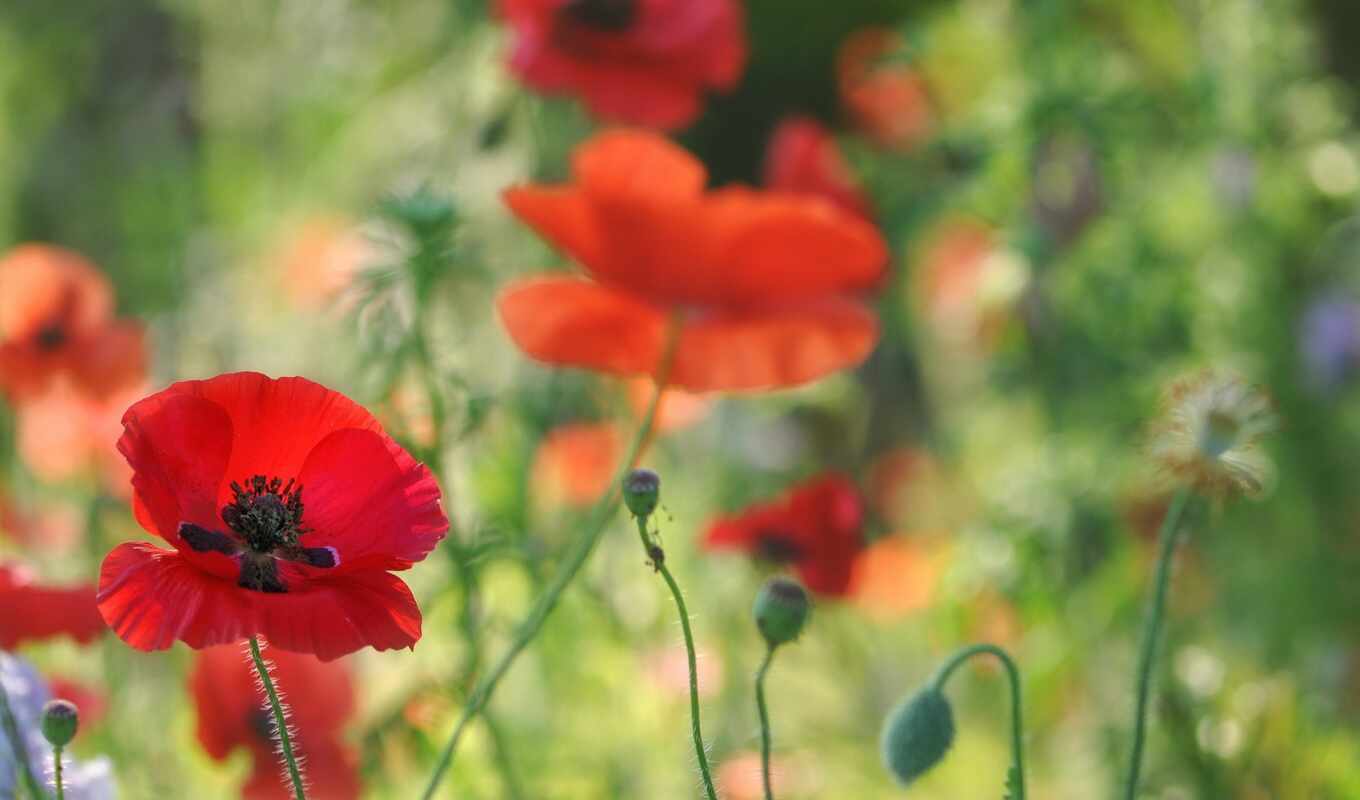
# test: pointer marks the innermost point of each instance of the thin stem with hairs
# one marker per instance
(764, 723)
(658, 562)
(1016, 778)
(280, 724)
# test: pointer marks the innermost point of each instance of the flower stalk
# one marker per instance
(657, 558)
(574, 560)
(280, 723)
(1168, 537)
(764, 712)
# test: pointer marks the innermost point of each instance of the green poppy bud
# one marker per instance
(642, 492)
(781, 610)
(59, 722)
(917, 734)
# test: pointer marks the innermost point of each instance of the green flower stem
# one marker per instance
(1017, 722)
(56, 773)
(658, 557)
(280, 724)
(575, 558)
(1151, 633)
(16, 744)
(764, 723)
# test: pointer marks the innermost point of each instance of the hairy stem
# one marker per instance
(658, 557)
(1017, 721)
(280, 724)
(764, 723)
(574, 560)
(56, 773)
(1151, 633)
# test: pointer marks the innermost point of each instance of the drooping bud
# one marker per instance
(60, 718)
(642, 492)
(917, 734)
(781, 610)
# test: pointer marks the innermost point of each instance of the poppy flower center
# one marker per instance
(50, 336)
(264, 521)
(776, 546)
(605, 15)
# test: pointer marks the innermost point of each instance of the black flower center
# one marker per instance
(777, 547)
(605, 15)
(264, 522)
(51, 336)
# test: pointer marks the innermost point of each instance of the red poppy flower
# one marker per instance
(803, 158)
(817, 529)
(762, 283)
(887, 101)
(646, 62)
(320, 698)
(287, 507)
(56, 317)
(33, 612)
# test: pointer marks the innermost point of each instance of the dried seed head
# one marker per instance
(1209, 435)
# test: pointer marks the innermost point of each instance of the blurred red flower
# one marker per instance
(320, 699)
(645, 62)
(287, 506)
(56, 318)
(64, 432)
(803, 158)
(895, 577)
(760, 282)
(33, 612)
(575, 462)
(887, 101)
(816, 528)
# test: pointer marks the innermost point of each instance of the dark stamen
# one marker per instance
(605, 15)
(777, 547)
(203, 540)
(51, 336)
(260, 573)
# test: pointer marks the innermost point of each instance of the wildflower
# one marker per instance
(816, 528)
(321, 261)
(64, 433)
(320, 699)
(761, 283)
(1209, 434)
(646, 63)
(803, 158)
(894, 577)
(1329, 341)
(56, 318)
(675, 409)
(34, 612)
(287, 507)
(27, 694)
(887, 101)
(575, 462)
(968, 282)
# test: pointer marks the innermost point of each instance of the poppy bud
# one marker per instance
(917, 734)
(59, 722)
(642, 492)
(781, 610)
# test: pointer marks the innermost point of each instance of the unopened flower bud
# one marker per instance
(59, 722)
(917, 734)
(642, 492)
(781, 610)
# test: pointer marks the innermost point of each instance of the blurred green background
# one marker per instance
(1160, 186)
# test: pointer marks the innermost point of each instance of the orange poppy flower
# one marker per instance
(575, 462)
(894, 577)
(56, 317)
(887, 102)
(762, 284)
(321, 261)
(64, 433)
(675, 409)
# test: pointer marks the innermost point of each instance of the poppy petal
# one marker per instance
(34, 612)
(378, 508)
(150, 597)
(276, 422)
(772, 348)
(562, 216)
(178, 446)
(573, 322)
(332, 772)
(772, 246)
